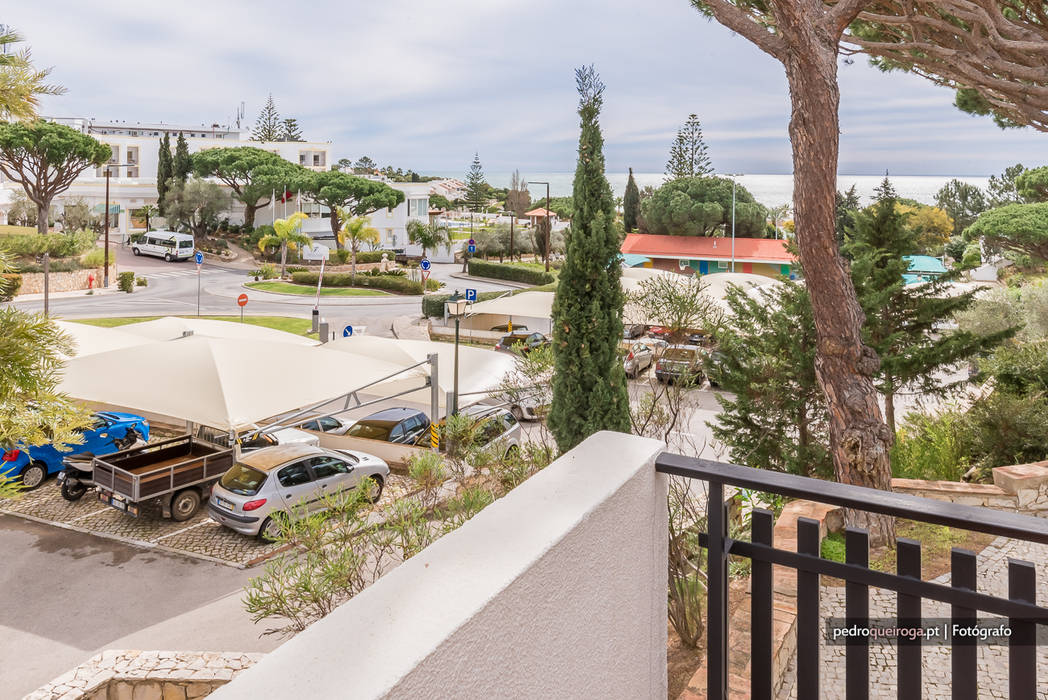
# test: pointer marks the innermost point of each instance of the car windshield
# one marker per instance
(370, 430)
(243, 480)
(679, 354)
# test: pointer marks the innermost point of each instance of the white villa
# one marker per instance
(135, 146)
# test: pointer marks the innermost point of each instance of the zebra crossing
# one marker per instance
(149, 274)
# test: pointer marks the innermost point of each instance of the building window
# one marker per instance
(722, 264)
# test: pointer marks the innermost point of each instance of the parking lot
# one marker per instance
(200, 537)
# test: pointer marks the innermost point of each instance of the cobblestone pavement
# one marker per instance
(993, 659)
(198, 537)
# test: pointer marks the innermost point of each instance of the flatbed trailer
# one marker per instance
(174, 474)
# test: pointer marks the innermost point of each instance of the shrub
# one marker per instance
(56, 265)
(482, 268)
(58, 245)
(931, 447)
(10, 283)
(126, 282)
(141, 282)
(95, 258)
(393, 283)
(292, 269)
(342, 256)
(268, 271)
(433, 305)
(374, 256)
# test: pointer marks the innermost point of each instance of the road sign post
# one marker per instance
(199, 257)
(242, 302)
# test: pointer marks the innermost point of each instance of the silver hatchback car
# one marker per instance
(274, 482)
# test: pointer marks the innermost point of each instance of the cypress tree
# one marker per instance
(163, 171)
(589, 384)
(902, 320)
(630, 204)
(181, 165)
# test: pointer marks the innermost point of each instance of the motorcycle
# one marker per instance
(78, 475)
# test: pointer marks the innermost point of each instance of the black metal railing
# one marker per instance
(1020, 607)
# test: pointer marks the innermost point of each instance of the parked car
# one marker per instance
(329, 424)
(529, 408)
(165, 244)
(659, 332)
(283, 436)
(109, 432)
(633, 330)
(504, 328)
(639, 358)
(714, 362)
(496, 426)
(680, 362)
(267, 486)
(401, 425)
(521, 340)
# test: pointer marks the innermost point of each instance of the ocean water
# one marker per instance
(769, 190)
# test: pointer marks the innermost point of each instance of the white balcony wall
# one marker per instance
(558, 590)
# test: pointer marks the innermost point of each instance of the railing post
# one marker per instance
(857, 612)
(762, 522)
(908, 614)
(964, 654)
(717, 596)
(808, 631)
(1022, 646)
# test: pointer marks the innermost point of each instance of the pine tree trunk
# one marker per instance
(249, 215)
(859, 440)
(42, 212)
(889, 410)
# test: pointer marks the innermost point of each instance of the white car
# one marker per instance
(284, 436)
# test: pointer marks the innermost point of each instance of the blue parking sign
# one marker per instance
(471, 295)
(425, 264)
(472, 249)
(347, 332)
(199, 257)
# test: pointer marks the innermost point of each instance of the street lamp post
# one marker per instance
(733, 176)
(549, 226)
(105, 274)
(456, 308)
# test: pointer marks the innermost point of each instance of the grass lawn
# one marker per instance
(298, 326)
(309, 290)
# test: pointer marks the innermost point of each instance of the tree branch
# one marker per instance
(746, 24)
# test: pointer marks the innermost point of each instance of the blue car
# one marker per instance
(110, 432)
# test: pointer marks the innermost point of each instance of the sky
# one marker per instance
(425, 85)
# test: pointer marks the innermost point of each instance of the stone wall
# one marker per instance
(146, 675)
(33, 282)
(1020, 488)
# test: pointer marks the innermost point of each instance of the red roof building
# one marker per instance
(705, 255)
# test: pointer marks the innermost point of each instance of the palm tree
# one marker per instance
(355, 230)
(21, 84)
(428, 236)
(287, 233)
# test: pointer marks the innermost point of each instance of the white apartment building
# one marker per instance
(136, 149)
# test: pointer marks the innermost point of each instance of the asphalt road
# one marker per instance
(172, 291)
(70, 595)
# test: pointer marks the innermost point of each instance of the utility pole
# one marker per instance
(549, 225)
(105, 275)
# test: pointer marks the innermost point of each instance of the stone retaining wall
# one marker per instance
(1020, 488)
(33, 282)
(146, 675)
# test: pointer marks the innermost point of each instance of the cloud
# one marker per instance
(425, 85)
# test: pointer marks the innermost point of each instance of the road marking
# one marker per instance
(90, 515)
(179, 532)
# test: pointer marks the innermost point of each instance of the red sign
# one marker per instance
(242, 300)
(425, 276)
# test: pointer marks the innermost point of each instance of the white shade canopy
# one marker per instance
(94, 339)
(529, 304)
(219, 382)
(171, 327)
(479, 370)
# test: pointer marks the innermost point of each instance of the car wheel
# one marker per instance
(517, 412)
(33, 475)
(372, 486)
(73, 491)
(513, 452)
(167, 257)
(271, 529)
(135, 251)
(184, 505)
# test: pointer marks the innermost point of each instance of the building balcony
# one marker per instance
(559, 590)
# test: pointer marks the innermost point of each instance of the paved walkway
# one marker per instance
(993, 660)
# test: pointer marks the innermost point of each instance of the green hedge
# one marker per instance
(58, 245)
(390, 283)
(433, 304)
(10, 283)
(56, 265)
(483, 268)
(374, 256)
